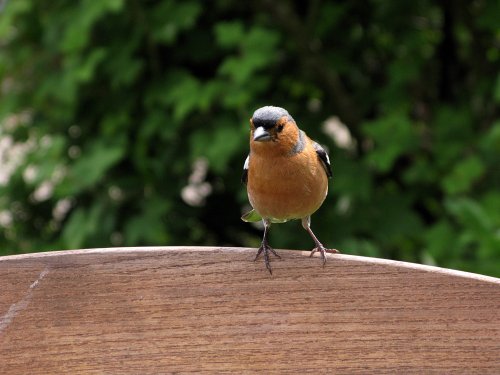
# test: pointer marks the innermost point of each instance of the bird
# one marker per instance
(286, 174)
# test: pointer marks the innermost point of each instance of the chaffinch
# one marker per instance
(286, 174)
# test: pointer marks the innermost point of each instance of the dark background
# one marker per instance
(125, 123)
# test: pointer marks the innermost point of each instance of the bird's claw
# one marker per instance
(323, 252)
(266, 249)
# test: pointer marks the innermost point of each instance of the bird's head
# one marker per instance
(273, 126)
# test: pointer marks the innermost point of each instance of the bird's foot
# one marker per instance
(323, 252)
(266, 249)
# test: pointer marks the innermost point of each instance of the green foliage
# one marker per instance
(394, 136)
(125, 123)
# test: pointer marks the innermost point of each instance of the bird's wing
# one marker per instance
(244, 176)
(323, 158)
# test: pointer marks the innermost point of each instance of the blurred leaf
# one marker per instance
(218, 144)
(90, 167)
(393, 136)
(463, 175)
(469, 213)
(496, 92)
(83, 71)
(482, 234)
(490, 143)
(441, 241)
(257, 51)
(83, 223)
(491, 204)
(8, 14)
(229, 34)
(172, 17)
(251, 217)
(75, 230)
(77, 33)
(148, 227)
(184, 94)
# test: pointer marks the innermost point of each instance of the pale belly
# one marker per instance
(286, 193)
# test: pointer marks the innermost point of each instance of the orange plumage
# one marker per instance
(286, 173)
(285, 187)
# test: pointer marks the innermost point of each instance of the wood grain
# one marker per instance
(213, 310)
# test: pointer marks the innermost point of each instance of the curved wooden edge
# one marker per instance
(232, 250)
(214, 310)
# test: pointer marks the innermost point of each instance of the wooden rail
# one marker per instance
(192, 309)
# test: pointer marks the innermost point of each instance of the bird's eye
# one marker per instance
(279, 128)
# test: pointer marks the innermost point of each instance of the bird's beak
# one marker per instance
(261, 135)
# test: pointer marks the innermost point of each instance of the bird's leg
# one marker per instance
(265, 248)
(306, 224)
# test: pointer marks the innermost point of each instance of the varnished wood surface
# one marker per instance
(213, 310)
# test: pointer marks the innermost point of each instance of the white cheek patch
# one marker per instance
(245, 166)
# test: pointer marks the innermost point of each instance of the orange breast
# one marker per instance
(286, 187)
